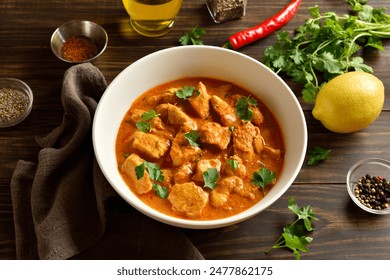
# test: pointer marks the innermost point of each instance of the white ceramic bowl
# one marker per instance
(199, 61)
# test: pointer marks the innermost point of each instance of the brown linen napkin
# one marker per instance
(64, 207)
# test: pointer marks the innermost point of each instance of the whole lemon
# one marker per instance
(349, 102)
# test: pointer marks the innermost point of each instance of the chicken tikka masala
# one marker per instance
(199, 148)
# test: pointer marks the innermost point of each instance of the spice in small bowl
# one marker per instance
(79, 48)
(368, 184)
(16, 100)
(79, 41)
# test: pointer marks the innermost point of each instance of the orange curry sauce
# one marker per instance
(271, 155)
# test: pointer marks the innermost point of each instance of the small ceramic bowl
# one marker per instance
(89, 41)
(16, 100)
(373, 167)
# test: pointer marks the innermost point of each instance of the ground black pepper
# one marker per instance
(373, 192)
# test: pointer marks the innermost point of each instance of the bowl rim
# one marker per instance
(23, 86)
(205, 224)
(350, 184)
(78, 22)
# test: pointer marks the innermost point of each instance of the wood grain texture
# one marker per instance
(343, 230)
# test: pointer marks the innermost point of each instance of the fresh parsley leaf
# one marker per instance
(210, 177)
(185, 92)
(193, 36)
(144, 126)
(192, 138)
(316, 155)
(149, 115)
(140, 170)
(232, 163)
(154, 171)
(161, 191)
(155, 174)
(263, 177)
(293, 236)
(243, 110)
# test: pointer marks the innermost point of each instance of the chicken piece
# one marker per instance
(150, 145)
(188, 199)
(220, 195)
(234, 166)
(182, 152)
(168, 97)
(257, 118)
(168, 177)
(271, 152)
(173, 113)
(201, 102)
(202, 166)
(142, 185)
(243, 138)
(183, 174)
(258, 144)
(226, 112)
(136, 116)
(215, 134)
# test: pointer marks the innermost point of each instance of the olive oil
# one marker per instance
(152, 17)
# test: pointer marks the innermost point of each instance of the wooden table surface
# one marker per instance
(343, 231)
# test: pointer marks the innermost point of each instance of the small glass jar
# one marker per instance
(224, 10)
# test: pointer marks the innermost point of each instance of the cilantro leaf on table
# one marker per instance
(327, 45)
(293, 236)
(263, 177)
(316, 155)
(192, 37)
(210, 177)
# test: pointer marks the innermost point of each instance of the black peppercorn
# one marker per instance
(373, 192)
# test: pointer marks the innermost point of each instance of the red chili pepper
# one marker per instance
(265, 28)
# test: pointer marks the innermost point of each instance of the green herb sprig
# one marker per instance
(263, 177)
(326, 45)
(243, 110)
(185, 92)
(293, 236)
(193, 36)
(155, 174)
(144, 125)
(192, 138)
(316, 155)
(210, 177)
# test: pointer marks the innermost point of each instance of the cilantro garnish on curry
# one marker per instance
(199, 148)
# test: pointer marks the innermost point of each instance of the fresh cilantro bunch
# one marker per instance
(293, 236)
(326, 45)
